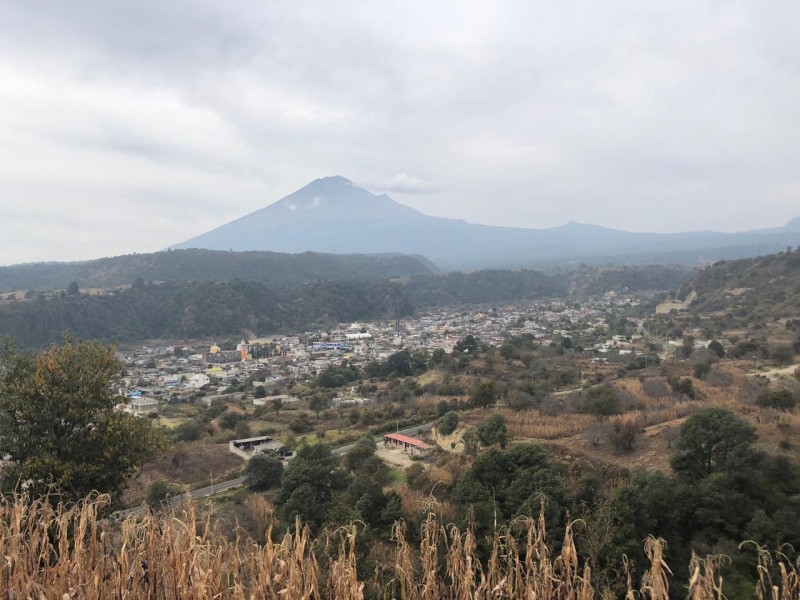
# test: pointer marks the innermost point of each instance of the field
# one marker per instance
(178, 555)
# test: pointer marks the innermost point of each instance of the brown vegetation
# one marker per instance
(59, 552)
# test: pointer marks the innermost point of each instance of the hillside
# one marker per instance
(768, 286)
(334, 215)
(210, 265)
(187, 310)
(184, 309)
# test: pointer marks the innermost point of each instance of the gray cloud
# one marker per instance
(128, 126)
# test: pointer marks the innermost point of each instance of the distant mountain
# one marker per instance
(334, 215)
(211, 265)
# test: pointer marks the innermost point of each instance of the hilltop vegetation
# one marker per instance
(763, 287)
(186, 310)
(210, 265)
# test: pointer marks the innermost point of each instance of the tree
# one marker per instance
(484, 395)
(602, 401)
(260, 392)
(308, 485)
(711, 441)
(318, 402)
(470, 441)
(277, 405)
(493, 430)
(442, 408)
(715, 347)
(263, 472)
(189, 431)
(73, 289)
(361, 451)
(782, 354)
(60, 427)
(468, 345)
(448, 423)
(682, 386)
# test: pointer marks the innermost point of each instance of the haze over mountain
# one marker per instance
(209, 265)
(334, 215)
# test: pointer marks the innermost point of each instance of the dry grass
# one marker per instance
(533, 424)
(70, 553)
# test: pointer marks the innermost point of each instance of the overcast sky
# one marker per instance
(126, 127)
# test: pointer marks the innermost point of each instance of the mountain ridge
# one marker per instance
(211, 265)
(334, 215)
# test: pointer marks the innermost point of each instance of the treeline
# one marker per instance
(187, 310)
(767, 286)
(210, 265)
(594, 281)
(484, 287)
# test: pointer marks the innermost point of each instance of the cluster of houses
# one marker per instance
(181, 374)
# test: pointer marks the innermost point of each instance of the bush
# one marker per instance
(230, 420)
(702, 369)
(623, 432)
(682, 386)
(783, 354)
(159, 491)
(263, 472)
(492, 431)
(448, 423)
(189, 431)
(655, 387)
(602, 401)
(301, 424)
(780, 399)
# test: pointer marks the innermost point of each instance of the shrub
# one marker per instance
(623, 432)
(492, 431)
(780, 399)
(602, 401)
(263, 472)
(189, 431)
(448, 423)
(682, 386)
(159, 491)
(301, 424)
(655, 387)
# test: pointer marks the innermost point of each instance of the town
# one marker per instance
(202, 372)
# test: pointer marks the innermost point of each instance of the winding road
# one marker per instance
(224, 486)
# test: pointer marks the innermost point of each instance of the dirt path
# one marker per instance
(394, 456)
(776, 372)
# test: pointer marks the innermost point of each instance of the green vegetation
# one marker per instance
(753, 288)
(448, 423)
(186, 310)
(59, 426)
(263, 472)
(195, 265)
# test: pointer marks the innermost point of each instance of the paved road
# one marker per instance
(223, 486)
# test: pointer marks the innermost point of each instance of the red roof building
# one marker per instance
(405, 442)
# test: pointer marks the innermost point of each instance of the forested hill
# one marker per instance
(211, 265)
(180, 309)
(189, 310)
(767, 286)
(508, 286)
(483, 286)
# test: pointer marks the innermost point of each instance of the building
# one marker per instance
(143, 404)
(267, 400)
(409, 444)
